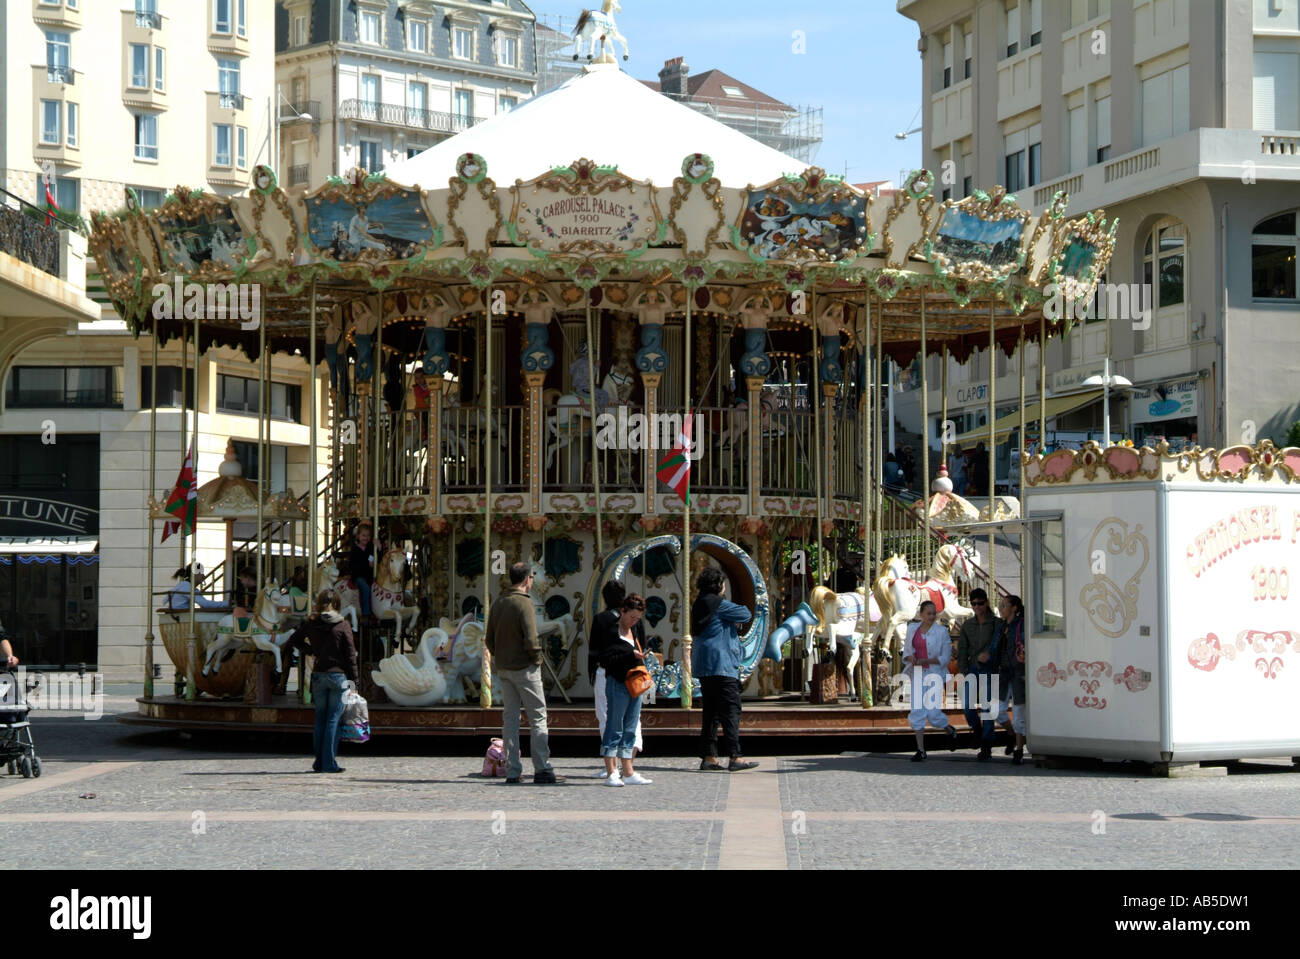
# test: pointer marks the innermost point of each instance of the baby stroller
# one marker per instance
(16, 746)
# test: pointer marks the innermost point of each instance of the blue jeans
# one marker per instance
(362, 583)
(983, 677)
(621, 720)
(327, 694)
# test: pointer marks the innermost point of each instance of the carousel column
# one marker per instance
(191, 638)
(755, 366)
(364, 375)
(651, 362)
(535, 361)
(153, 455)
(436, 365)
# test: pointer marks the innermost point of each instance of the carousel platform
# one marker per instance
(763, 718)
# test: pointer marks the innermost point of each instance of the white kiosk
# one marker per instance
(1163, 603)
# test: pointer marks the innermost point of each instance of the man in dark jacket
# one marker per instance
(977, 662)
(326, 636)
(517, 658)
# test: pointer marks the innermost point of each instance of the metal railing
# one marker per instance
(60, 74)
(394, 114)
(786, 453)
(149, 19)
(298, 173)
(848, 457)
(290, 112)
(25, 235)
(231, 101)
(464, 444)
(723, 450)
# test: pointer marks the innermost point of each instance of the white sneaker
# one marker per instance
(636, 779)
(600, 774)
(614, 780)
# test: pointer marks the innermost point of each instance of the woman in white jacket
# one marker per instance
(925, 657)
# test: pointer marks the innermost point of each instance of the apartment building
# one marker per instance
(145, 94)
(383, 80)
(1182, 119)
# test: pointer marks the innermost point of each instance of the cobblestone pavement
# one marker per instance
(160, 800)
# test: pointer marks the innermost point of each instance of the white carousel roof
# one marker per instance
(605, 116)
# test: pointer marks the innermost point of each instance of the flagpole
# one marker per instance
(304, 693)
(485, 670)
(153, 454)
(686, 522)
(819, 468)
(191, 640)
(185, 432)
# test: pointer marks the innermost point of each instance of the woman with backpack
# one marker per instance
(1011, 653)
(326, 635)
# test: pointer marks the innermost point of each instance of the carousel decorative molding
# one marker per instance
(812, 218)
(1264, 462)
(983, 238)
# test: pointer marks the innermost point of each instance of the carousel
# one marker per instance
(611, 337)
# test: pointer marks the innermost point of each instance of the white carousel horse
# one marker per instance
(415, 679)
(849, 617)
(260, 628)
(386, 592)
(900, 597)
(595, 27)
(569, 414)
(460, 654)
(329, 578)
(733, 424)
(565, 625)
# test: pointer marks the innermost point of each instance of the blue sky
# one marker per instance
(861, 65)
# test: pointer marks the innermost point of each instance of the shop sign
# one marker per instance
(1172, 401)
(35, 516)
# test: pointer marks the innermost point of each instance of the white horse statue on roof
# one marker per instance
(598, 27)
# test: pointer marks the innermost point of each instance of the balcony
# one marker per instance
(292, 113)
(1206, 153)
(298, 174)
(148, 19)
(24, 234)
(60, 74)
(58, 14)
(49, 85)
(230, 101)
(396, 115)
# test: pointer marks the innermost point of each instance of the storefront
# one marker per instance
(49, 560)
(1167, 412)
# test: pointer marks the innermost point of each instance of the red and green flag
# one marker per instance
(50, 205)
(675, 467)
(183, 502)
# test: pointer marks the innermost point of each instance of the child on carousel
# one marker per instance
(361, 562)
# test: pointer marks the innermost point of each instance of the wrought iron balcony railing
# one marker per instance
(149, 19)
(58, 74)
(289, 112)
(298, 174)
(232, 101)
(394, 114)
(25, 235)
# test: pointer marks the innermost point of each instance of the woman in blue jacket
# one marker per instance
(715, 661)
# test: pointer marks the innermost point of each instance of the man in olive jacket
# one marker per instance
(977, 656)
(517, 658)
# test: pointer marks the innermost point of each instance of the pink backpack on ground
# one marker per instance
(494, 763)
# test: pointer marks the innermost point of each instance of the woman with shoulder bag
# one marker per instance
(326, 635)
(1011, 650)
(621, 655)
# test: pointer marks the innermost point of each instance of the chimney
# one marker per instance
(672, 78)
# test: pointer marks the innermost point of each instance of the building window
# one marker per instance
(221, 144)
(300, 31)
(1035, 22)
(507, 50)
(146, 14)
(221, 16)
(506, 104)
(1165, 106)
(241, 20)
(414, 151)
(370, 161)
(1276, 89)
(947, 195)
(1047, 593)
(44, 387)
(1164, 264)
(1076, 127)
(968, 41)
(51, 131)
(1103, 129)
(370, 32)
(277, 477)
(72, 124)
(1013, 29)
(463, 104)
(463, 42)
(158, 74)
(947, 65)
(418, 103)
(241, 147)
(169, 386)
(417, 36)
(238, 394)
(1035, 164)
(146, 136)
(1023, 151)
(1014, 178)
(1273, 257)
(228, 76)
(67, 194)
(966, 185)
(140, 66)
(58, 56)
(148, 198)
(370, 89)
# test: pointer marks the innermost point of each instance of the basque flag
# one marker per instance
(50, 205)
(183, 502)
(675, 467)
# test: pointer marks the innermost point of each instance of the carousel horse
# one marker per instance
(569, 414)
(261, 628)
(415, 679)
(847, 618)
(564, 625)
(329, 577)
(595, 27)
(386, 593)
(730, 426)
(460, 654)
(900, 597)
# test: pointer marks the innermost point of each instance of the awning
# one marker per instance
(1004, 426)
(40, 544)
